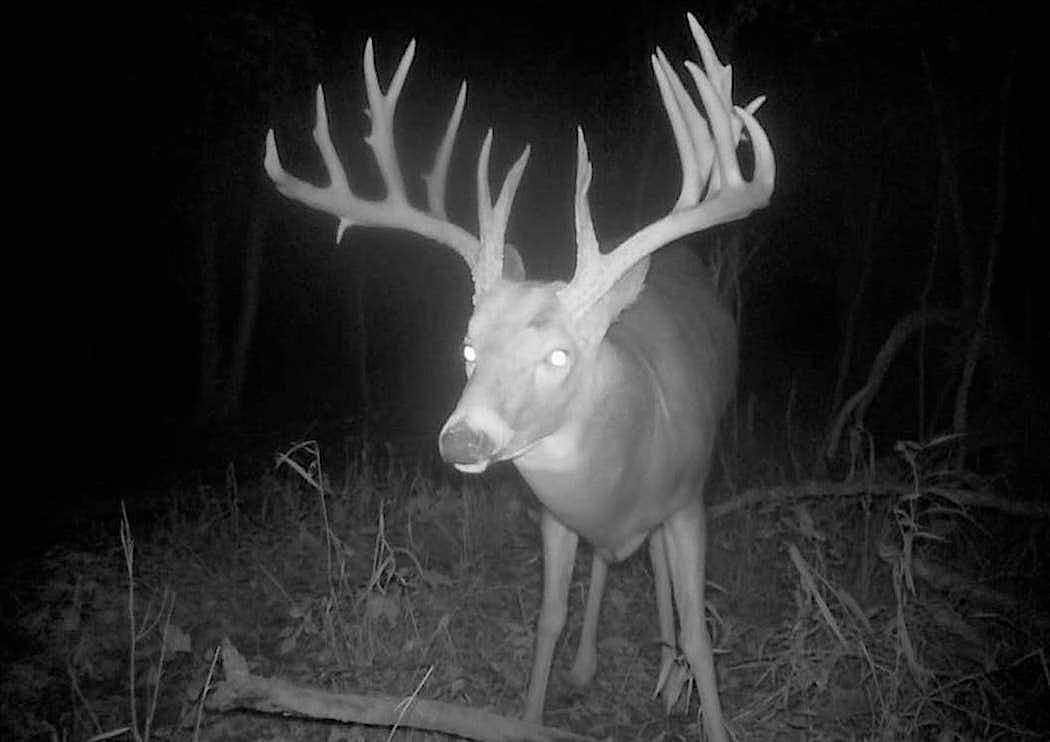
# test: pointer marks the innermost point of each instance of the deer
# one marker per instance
(606, 392)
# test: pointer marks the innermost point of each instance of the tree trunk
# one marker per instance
(251, 281)
(208, 314)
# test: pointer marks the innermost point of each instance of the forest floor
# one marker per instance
(904, 601)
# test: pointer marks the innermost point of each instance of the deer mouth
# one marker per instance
(472, 468)
(481, 464)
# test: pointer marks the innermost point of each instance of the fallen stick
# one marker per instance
(242, 690)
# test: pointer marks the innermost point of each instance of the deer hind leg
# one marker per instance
(685, 537)
(586, 662)
(559, 551)
(658, 558)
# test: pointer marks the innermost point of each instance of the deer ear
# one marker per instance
(593, 324)
(513, 267)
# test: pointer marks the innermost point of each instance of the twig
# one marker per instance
(204, 692)
(151, 711)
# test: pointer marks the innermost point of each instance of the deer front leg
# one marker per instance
(559, 552)
(685, 537)
(586, 662)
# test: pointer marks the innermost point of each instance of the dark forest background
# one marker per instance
(197, 314)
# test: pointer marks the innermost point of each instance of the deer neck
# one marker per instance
(586, 471)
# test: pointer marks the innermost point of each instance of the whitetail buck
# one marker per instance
(606, 391)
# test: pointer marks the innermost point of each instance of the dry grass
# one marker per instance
(892, 613)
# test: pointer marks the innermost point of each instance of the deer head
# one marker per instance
(530, 347)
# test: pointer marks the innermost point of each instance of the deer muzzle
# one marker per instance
(468, 449)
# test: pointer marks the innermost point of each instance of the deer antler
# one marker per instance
(484, 255)
(707, 151)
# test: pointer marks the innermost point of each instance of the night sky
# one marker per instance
(160, 118)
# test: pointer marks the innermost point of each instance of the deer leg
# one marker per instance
(685, 535)
(662, 581)
(586, 662)
(559, 551)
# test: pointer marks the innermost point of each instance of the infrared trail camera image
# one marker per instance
(488, 372)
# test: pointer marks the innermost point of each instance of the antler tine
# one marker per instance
(588, 254)
(483, 271)
(381, 108)
(337, 199)
(719, 121)
(438, 175)
(691, 135)
(586, 285)
(720, 75)
(721, 78)
(493, 218)
(700, 145)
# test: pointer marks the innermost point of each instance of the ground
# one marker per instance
(875, 610)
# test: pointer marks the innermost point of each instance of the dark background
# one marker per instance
(883, 116)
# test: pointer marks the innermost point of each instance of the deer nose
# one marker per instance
(462, 444)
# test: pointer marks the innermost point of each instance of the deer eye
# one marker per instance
(558, 358)
(470, 354)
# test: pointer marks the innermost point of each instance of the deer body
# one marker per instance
(639, 417)
(605, 391)
(624, 425)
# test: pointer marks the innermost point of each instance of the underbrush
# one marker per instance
(901, 602)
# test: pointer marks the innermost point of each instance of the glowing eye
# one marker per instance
(469, 354)
(558, 358)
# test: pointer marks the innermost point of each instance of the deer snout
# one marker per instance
(466, 448)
